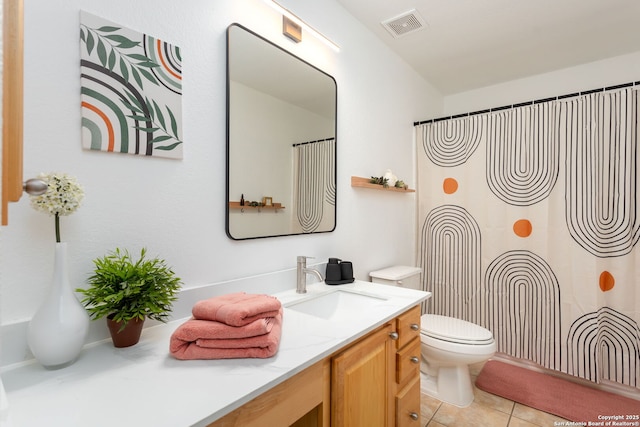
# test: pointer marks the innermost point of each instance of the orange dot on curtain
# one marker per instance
(607, 281)
(450, 185)
(522, 228)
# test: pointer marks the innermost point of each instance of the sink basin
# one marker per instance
(337, 305)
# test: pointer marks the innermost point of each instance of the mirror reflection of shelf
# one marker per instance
(357, 181)
(237, 205)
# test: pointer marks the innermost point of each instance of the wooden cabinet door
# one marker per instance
(363, 383)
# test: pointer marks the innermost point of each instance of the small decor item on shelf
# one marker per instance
(267, 201)
(242, 199)
(126, 291)
(57, 331)
(380, 181)
(376, 184)
(389, 180)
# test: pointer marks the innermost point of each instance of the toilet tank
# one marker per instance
(398, 275)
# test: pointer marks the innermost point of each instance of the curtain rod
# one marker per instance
(312, 142)
(537, 101)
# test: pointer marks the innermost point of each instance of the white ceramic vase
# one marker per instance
(59, 328)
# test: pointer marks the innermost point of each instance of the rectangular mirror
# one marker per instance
(281, 141)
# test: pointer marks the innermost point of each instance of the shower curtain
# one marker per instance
(529, 226)
(314, 197)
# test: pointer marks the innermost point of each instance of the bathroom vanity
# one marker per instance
(372, 382)
(340, 345)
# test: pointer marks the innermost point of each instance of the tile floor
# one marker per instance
(487, 410)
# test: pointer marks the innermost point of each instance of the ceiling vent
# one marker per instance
(404, 24)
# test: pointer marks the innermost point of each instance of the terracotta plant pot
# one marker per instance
(127, 337)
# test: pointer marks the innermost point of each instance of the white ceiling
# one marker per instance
(467, 44)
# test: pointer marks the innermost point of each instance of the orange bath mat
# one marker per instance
(558, 396)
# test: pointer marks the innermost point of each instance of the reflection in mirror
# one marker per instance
(281, 141)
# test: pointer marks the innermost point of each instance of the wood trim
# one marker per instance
(358, 181)
(287, 403)
(12, 103)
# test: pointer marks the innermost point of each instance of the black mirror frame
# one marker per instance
(228, 139)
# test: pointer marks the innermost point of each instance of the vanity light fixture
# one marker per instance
(291, 29)
(290, 21)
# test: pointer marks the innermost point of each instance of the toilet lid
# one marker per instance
(454, 330)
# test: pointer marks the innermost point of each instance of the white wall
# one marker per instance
(176, 208)
(607, 72)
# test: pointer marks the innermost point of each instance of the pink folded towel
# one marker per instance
(205, 339)
(237, 309)
(195, 329)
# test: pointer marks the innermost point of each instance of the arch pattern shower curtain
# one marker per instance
(529, 226)
(314, 197)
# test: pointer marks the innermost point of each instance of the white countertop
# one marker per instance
(144, 386)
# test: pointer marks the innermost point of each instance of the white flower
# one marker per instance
(63, 195)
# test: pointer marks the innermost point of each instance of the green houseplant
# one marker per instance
(127, 291)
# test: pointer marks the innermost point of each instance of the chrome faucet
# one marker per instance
(301, 274)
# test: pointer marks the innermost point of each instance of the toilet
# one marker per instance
(447, 345)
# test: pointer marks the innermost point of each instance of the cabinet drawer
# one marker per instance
(408, 326)
(408, 362)
(408, 405)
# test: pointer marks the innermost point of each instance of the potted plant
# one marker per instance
(127, 291)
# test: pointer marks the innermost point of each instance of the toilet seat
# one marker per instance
(454, 330)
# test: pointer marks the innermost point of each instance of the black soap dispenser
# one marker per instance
(338, 272)
(334, 272)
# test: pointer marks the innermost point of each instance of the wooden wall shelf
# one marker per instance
(237, 205)
(357, 181)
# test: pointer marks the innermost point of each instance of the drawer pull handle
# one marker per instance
(414, 416)
(415, 360)
(415, 327)
(394, 335)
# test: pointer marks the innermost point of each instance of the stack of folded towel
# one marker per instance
(230, 326)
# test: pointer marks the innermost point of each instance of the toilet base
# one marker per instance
(451, 385)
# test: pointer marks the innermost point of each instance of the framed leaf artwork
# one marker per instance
(131, 91)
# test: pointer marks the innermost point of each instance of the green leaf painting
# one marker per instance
(131, 90)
